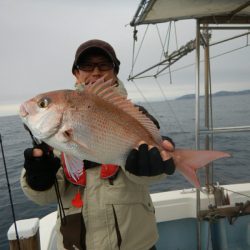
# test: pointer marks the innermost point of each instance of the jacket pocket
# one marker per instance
(131, 226)
(117, 229)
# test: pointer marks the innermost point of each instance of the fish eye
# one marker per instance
(44, 102)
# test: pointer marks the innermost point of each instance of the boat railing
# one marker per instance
(225, 130)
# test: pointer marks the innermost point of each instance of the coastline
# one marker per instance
(12, 109)
(216, 94)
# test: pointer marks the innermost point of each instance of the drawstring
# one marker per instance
(60, 204)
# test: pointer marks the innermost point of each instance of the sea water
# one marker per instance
(177, 120)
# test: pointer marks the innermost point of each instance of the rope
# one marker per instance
(135, 57)
(175, 31)
(236, 192)
(151, 107)
(169, 105)
(192, 64)
(167, 37)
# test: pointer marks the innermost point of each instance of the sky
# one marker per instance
(39, 39)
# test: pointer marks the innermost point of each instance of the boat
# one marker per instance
(216, 216)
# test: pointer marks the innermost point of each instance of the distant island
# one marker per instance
(220, 93)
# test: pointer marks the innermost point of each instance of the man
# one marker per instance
(109, 206)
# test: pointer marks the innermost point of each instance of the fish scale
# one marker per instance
(100, 125)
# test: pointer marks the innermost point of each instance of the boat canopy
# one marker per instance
(207, 11)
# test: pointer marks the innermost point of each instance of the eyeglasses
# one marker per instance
(103, 66)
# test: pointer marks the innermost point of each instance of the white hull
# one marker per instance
(170, 207)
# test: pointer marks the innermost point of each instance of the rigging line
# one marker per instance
(144, 35)
(170, 24)
(162, 44)
(133, 51)
(192, 64)
(170, 106)
(163, 49)
(247, 40)
(175, 31)
(230, 38)
(170, 75)
(142, 77)
(167, 36)
(236, 192)
(169, 71)
(10, 195)
(148, 103)
(159, 35)
(189, 65)
(227, 52)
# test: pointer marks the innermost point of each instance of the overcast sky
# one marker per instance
(39, 39)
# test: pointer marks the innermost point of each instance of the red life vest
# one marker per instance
(106, 171)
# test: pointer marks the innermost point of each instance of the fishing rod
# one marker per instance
(10, 195)
(36, 142)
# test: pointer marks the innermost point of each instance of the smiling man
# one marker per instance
(108, 206)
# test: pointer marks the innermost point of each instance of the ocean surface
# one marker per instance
(176, 118)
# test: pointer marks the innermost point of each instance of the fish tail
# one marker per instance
(188, 161)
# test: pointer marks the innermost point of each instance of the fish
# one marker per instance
(98, 124)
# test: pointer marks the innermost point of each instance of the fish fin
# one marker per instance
(73, 165)
(86, 149)
(188, 161)
(82, 145)
(106, 91)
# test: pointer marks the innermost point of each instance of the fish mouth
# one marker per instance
(23, 111)
(24, 117)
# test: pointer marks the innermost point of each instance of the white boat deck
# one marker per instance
(181, 204)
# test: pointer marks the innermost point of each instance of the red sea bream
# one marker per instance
(98, 124)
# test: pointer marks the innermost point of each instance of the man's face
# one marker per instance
(94, 67)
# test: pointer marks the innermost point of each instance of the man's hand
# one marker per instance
(147, 160)
(41, 167)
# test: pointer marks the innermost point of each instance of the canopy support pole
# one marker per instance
(197, 124)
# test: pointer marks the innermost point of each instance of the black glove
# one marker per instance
(41, 171)
(144, 162)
